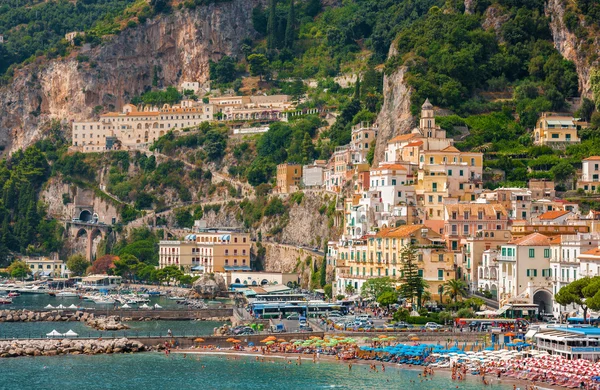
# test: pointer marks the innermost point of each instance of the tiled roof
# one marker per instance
(450, 149)
(550, 215)
(595, 252)
(534, 239)
(488, 209)
(592, 158)
(556, 240)
(403, 137)
(391, 166)
(402, 231)
(415, 143)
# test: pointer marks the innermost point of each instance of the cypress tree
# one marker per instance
(357, 88)
(271, 29)
(289, 28)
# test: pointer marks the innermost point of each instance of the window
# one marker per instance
(461, 173)
(554, 135)
(449, 172)
(440, 274)
(531, 253)
(546, 253)
(440, 257)
(393, 182)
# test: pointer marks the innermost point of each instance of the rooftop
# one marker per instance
(550, 215)
(403, 137)
(533, 239)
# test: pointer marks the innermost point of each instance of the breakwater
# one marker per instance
(16, 348)
(24, 315)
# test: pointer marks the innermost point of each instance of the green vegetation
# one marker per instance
(77, 264)
(33, 28)
(18, 269)
(157, 98)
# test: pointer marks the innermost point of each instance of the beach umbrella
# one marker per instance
(271, 338)
(281, 340)
(70, 333)
(54, 333)
(510, 334)
(382, 336)
(199, 340)
(229, 340)
(236, 341)
(270, 342)
(414, 338)
(285, 343)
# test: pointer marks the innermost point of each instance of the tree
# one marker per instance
(413, 285)
(349, 289)
(271, 27)
(308, 148)
(562, 171)
(371, 152)
(127, 266)
(259, 65)
(328, 290)
(323, 272)
(313, 8)
(168, 274)
(387, 298)
(575, 293)
(425, 297)
(77, 264)
(289, 28)
(357, 88)
(455, 288)
(18, 269)
(373, 288)
(103, 265)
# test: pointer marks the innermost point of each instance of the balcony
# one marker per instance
(507, 258)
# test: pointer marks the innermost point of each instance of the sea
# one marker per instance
(154, 370)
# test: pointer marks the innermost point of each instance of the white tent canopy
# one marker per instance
(125, 306)
(60, 306)
(54, 333)
(157, 306)
(72, 307)
(487, 313)
(49, 307)
(144, 306)
(70, 333)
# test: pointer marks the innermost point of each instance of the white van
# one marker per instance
(364, 317)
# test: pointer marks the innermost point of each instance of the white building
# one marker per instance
(525, 273)
(313, 175)
(488, 272)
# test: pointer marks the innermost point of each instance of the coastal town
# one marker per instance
(292, 194)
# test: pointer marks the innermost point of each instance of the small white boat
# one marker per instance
(177, 298)
(5, 301)
(104, 301)
(67, 294)
(33, 290)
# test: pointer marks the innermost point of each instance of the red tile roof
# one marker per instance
(550, 215)
(533, 239)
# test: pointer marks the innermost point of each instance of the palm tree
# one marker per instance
(455, 288)
(425, 297)
(349, 290)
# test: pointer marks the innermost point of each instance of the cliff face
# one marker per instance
(395, 117)
(171, 48)
(571, 47)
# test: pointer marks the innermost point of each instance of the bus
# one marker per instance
(280, 297)
(263, 309)
(580, 321)
(496, 324)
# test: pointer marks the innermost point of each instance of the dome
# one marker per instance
(427, 105)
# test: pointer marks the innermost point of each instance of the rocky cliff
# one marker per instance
(571, 47)
(170, 48)
(395, 117)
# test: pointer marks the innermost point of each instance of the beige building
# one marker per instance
(589, 181)
(289, 177)
(525, 272)
(207, 251)
(270, 107)
(556, 130)
(136, 127)
(42, 266)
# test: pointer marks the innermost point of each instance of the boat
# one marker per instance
(176, 298)
(13, 294)
(67, 293)
(5, 301)
(33, 290)
(104, 301)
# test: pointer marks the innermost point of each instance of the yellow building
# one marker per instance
(431, 190)
(42, 266)
(288, 177)
(383, 257)
(556, 130)
(207, 251)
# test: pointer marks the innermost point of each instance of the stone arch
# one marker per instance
(543, 299)
(161, 133)
(494, 290)
(263, 282)
(81, 233)
(254, 282)
(85, 215)
(139, 126)
(237, 281)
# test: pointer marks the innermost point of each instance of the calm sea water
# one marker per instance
(150, 371)
(39, 301)
(138, 328)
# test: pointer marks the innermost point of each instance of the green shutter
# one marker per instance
(528, 272)
(535, 272)
(531, 253)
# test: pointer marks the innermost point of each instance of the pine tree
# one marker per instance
(413, 284)
(271, 26)
(289, 29)
(323, 272)
(308, 148)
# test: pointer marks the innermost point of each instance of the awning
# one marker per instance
(198, 268)
(237, 268)
(530, 333)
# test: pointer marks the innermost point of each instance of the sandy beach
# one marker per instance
(293, 358)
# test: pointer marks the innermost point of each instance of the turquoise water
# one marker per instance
(150, 371)
(141, 328)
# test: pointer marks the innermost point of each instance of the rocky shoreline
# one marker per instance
(24, 315)
(17, 348)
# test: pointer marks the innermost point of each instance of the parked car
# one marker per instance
(302, 320)
(364, 317)
(294, 316)
(432, 326)
(402, 325)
